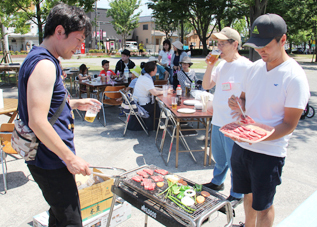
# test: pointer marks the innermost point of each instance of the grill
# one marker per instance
(162, 209)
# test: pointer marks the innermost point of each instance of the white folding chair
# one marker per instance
(169, 126)
(132, 112)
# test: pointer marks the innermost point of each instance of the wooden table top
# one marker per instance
(10, 105)
(9, 67)
(198, 114)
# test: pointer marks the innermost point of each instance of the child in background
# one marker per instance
(83, 72)
(105, 66)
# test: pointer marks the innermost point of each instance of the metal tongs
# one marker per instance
(106, 175)
(241, 108)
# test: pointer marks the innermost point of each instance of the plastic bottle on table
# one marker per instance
(126, 73)
(179, 95)
(193, 85)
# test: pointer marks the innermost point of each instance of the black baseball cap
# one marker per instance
(126, 52)
(264, 29)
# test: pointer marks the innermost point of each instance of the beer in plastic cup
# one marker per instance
(165, 90)
(213, 56)
(91, 114)
(174, 103)
(103, 78)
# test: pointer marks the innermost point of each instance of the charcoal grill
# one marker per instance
(162, 209)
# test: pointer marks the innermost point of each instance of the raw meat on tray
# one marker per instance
(157, 178)
(143, 174)
(161, 171)
(149, 171)
(247, 130)
(137, 178)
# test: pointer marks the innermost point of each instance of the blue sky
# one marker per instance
(143, 7)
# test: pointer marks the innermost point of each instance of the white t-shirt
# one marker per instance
(226, 75)
(142, 89)
(166, 56)
(267, 93)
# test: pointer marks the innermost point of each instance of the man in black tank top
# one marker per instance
(41, 92)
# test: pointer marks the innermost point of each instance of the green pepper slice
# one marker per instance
(198, 187)
(180, 195)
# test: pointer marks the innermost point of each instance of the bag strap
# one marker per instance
(55, 115)
(187, 76)
(58, 111)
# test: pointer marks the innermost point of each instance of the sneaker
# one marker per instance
(234, 201)
(214, 186)
(122, 114)
(241, 224)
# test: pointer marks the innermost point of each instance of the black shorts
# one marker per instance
(60, 192)
(256, 173)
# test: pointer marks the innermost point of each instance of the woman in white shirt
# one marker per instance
(143, 90)
(165, 57)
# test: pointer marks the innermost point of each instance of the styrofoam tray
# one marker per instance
(268, 129)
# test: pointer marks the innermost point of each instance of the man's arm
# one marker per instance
(290, 121)
(208, 83)
(39, 93)
(117, 67)
(166, 75)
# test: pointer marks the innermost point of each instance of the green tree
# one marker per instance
(36, 11)
(124, 18)
(164, 19)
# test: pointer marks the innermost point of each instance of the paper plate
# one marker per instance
(186, 110)
(191, 102)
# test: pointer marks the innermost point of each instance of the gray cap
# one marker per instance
(264, 29)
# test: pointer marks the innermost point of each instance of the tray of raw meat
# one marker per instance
(247, 130)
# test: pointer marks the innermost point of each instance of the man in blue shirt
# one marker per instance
(163, 74)
(41, 92)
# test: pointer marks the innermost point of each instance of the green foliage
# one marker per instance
(163, 13)
(124, 18)
(19, 13)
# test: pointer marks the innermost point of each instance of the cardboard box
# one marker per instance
(95, 193)
(121, 213)
(95, 209)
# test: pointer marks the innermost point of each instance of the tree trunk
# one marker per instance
(39, 22)
(205, 49)
(255, 11)
(182, 31)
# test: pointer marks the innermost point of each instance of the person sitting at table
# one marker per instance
(186, 75)
(83, 75)
(83, 72)
(143, 90)
(163, 73)
(124, 62)
(105, 66)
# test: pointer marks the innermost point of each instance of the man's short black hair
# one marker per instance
(149, 67)
(71, 18)
(104, 62)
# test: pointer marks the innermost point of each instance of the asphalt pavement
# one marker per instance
(105, 146)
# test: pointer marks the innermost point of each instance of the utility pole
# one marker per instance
(95, 24)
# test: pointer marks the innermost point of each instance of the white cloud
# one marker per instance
(143, 7)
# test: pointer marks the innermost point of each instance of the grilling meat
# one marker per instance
(157, 178)
(137, 178)
(161, 171)
(143, 174)
(148, 171)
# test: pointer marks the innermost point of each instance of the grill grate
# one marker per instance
(211, 201)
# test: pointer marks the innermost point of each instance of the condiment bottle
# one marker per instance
(179, 95)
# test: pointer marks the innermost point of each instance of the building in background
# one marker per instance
(152, 38)
(103, 33)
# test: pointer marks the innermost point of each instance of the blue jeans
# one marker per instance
(221, 151)
(170, 71)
